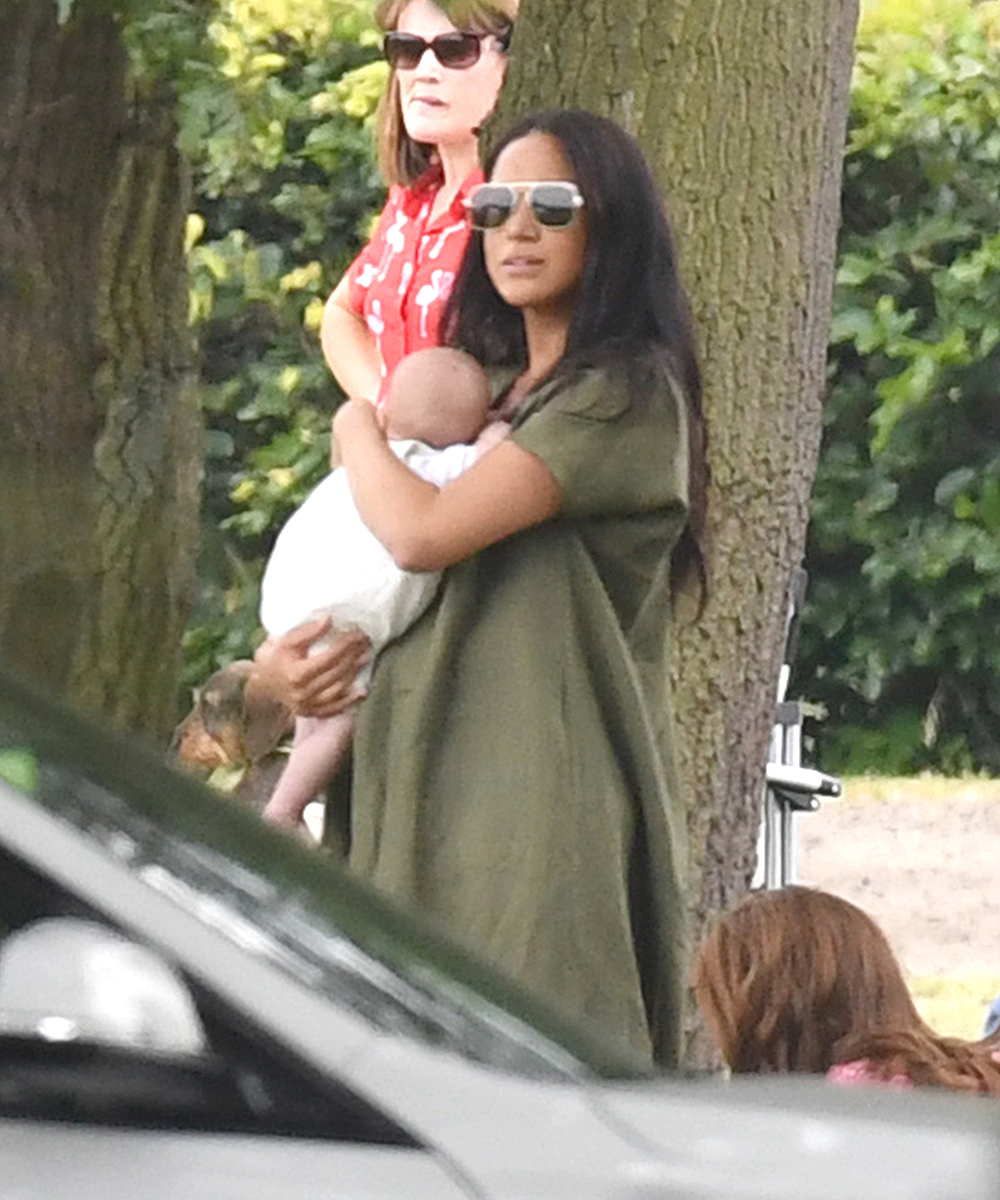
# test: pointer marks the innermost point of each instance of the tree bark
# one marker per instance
(742, 110)
(100, 449)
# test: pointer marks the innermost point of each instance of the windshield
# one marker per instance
(287, 904)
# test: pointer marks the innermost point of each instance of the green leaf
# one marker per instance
(20, 769)
(953, 485)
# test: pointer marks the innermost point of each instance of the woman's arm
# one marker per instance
(313, 685)
(426, 528)
(348, 345)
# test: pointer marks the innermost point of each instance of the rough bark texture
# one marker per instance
(741, 108)
(100, 446)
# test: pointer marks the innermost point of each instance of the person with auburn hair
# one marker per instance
(514, 761)
(797, 980)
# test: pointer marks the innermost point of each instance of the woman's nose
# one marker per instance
(522, 223)
(428, 66)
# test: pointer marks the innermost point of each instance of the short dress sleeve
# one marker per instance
(614, 437)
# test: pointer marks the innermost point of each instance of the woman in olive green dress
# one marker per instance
(513, 763)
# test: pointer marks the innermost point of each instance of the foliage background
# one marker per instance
(901, 635)
(899, 647)
(275, 114)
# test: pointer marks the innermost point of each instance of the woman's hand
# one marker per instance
(355, 420)
(314, 685)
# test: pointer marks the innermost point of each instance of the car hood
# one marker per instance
(804, 1138)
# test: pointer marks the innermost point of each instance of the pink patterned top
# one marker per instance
(400, 281)
(862, 1071)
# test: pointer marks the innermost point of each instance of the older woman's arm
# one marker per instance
(426, 528)
(348, 345)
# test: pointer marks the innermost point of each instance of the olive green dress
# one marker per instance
(513, 764)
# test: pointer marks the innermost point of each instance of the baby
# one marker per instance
(326, 562)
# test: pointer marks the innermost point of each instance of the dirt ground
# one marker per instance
(922, 857)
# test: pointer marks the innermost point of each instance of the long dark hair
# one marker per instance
(630, 298)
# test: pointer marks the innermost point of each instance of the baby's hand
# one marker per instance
(492, 435)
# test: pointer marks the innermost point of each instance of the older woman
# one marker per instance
(445, 79)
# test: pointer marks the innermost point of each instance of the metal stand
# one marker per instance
(790, 788)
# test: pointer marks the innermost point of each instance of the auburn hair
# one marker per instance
(796, 980)
(927, 1059)
(401, 159)
(788, 977)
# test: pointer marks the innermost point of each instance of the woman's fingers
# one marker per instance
(298, 640)
(314, 685)
(335, 699)
(323, 684)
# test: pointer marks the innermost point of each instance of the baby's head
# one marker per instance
(439, 396)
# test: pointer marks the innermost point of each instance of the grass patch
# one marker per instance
(921, 787)
(955, 1007)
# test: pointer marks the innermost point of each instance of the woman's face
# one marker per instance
(445, 106)
(532, 266)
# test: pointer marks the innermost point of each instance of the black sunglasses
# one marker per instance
(458, 50)
(554, 204)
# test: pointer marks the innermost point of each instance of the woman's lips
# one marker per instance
(521, 264)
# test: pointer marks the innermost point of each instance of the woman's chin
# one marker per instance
(433, 129)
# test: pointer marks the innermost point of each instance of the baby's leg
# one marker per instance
(317, 751)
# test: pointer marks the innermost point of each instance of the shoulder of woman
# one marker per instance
(615, 383)
(393, 202)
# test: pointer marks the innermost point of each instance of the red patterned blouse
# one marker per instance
(401, 280)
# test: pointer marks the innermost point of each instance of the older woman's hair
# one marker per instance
(401, 159)
(787, 978)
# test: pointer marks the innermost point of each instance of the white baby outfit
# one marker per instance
(326, 561)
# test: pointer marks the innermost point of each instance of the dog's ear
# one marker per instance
(266, 719)
(220, 700)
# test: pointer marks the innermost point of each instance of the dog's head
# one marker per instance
(235, 720)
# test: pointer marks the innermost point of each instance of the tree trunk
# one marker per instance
(742, 111)
(100, 448)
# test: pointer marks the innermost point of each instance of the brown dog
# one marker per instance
(236, 722)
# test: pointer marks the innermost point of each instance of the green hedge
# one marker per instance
(276, 116)
(901, 637)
